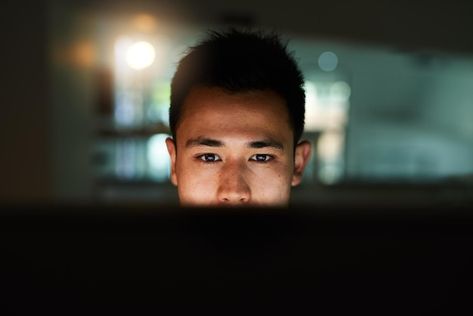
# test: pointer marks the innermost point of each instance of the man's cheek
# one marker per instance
(270, 182)
(278, 175)
(196, 187)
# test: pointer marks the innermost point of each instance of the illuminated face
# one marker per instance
(235, 150)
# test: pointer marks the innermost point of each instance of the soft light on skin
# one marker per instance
(140, 55)
(235, 149)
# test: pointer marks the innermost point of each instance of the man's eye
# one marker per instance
(209, 158)
(261, 157)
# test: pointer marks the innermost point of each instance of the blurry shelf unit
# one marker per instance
(129, 154)
(132, 164)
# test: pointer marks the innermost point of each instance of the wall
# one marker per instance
(24, 114)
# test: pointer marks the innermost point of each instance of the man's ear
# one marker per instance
(301, 158)
(171, 145)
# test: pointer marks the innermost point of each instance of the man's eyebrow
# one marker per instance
(266, 143)
(263, 143)
(203, 141)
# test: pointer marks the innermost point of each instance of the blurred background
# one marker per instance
(85, 96)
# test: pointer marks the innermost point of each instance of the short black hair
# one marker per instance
(240, 61)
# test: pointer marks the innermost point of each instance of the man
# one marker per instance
(236, 117)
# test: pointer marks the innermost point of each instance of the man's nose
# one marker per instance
(233, 188)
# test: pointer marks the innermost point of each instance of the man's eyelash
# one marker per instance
(267, 156)
(213, 158)
(208, 155)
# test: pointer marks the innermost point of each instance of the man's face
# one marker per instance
(235, 149)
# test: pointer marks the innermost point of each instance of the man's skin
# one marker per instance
(235, 149)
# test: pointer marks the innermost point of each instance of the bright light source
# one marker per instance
(326, 105)
(314, 116)
(140, 55)
(328, 61)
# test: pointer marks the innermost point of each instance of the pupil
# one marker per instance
(209, 157)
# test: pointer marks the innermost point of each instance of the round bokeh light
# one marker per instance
(140, 55)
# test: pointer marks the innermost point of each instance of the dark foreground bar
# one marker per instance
(305, 260)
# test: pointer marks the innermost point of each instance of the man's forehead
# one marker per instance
(231, 134)
(213, 112)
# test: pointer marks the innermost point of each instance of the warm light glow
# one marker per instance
(144, 22)
(140, 55)
(82, 53)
